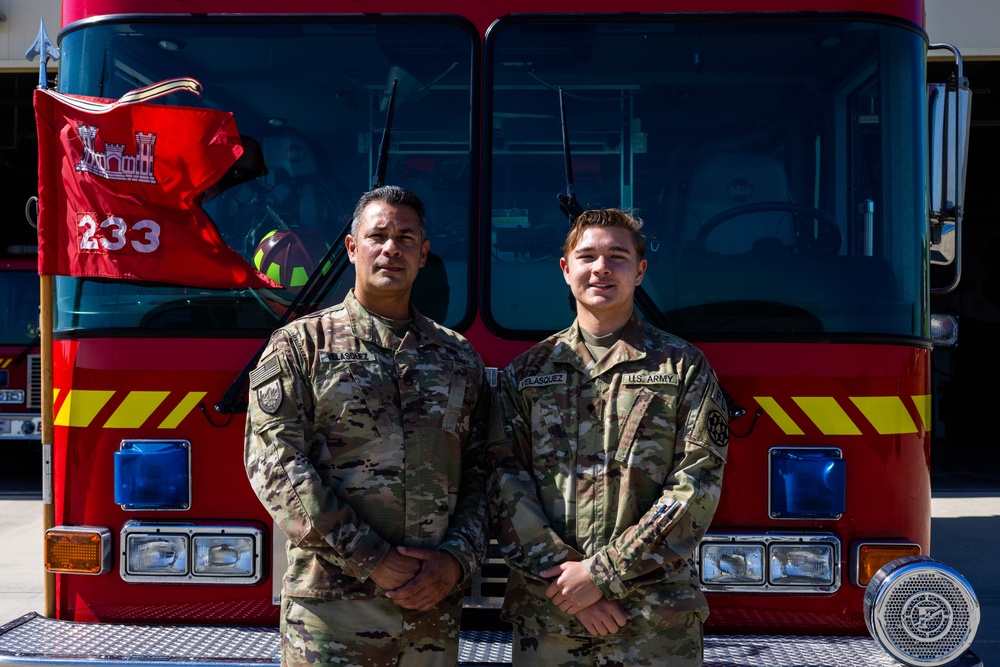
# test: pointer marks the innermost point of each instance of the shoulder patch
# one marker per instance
(542, 380)
(718, 428)
(270, 395)
(264, 372)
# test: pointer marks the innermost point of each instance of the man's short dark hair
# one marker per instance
(389, 194)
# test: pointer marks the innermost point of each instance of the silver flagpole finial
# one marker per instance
(44, 49)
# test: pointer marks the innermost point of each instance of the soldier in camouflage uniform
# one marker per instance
(607, 450)
(365, 438)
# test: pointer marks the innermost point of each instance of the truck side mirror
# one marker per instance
(949, 113)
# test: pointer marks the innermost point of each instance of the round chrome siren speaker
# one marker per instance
(921, 611)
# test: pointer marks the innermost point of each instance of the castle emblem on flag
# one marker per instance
(113, 164)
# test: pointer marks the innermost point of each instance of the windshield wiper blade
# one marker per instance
(571, 207)
(567, 202)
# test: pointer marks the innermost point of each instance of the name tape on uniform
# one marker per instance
(542, 380)
(350, 357)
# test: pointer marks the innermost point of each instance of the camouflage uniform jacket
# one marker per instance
(357, 441)
(617, 464)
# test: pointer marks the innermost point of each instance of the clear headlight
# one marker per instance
(11, 396)
(775, 563)
(801, 564)
(156, 554)
(732, 564)
(185, 553)
(223, 555)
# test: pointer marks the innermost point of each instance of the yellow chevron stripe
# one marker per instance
(780, 417)
(55, 395)
(6, 363)
(81, 406)
(183, 409)
(886, 413)
(923, 405)
(827, 414)
(135, 409)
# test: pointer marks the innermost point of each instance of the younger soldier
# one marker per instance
(607, 448)
(364, 441)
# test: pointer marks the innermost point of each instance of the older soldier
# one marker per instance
(364, 441)
(608, 450)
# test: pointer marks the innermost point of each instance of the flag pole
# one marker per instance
(48, 509)
(45, 49)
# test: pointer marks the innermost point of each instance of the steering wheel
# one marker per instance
(826, 240)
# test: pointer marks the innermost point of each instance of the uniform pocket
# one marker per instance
(646, 438)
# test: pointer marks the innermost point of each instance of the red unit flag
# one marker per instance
(117, 182)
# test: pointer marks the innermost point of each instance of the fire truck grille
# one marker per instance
(33, 397)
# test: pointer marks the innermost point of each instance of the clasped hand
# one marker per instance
(574, 592)
(416, 578)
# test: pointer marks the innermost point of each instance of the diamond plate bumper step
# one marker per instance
(37, 640)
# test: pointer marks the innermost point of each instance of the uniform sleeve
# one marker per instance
(528, 542)
(466, 536)
(674, 526)
(279, 437)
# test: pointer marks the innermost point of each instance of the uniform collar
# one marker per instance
(420, 333)
(571, 349)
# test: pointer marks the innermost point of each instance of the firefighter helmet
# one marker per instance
(288, 256)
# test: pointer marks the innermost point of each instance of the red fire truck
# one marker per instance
(20, 359)
(797, 175)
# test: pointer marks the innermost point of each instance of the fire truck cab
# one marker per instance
(798, 177)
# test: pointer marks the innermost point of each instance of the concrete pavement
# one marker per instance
(965, 535)
(21, 569)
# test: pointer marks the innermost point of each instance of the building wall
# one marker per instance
(971, 25)
(20, 28)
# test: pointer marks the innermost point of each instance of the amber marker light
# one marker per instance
(78, 550)
(873, 557)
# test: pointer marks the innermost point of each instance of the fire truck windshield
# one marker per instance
(311, 95)
(776, 163)
(776, 166)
